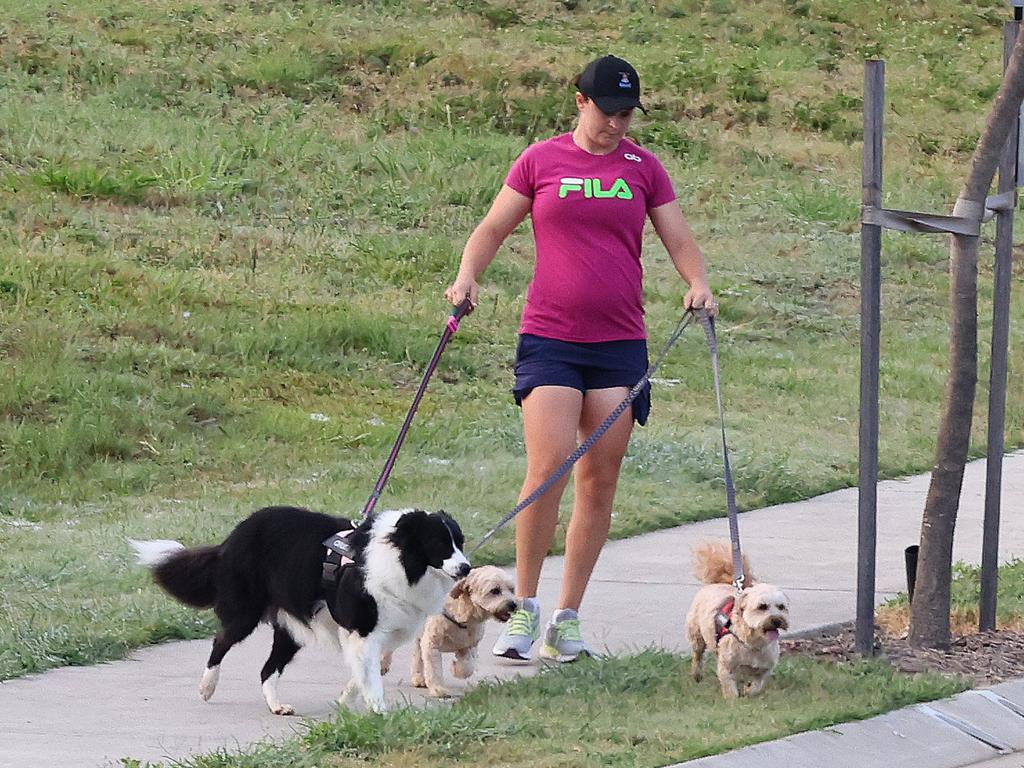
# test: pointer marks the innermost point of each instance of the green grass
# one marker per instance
(640, 710)
(965, 598)
(222, 221)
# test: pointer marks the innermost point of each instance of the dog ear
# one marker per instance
(741, 601)
(453, 528)
(460, 589)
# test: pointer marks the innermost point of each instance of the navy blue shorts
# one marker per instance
(549, 362)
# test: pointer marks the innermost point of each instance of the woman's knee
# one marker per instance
(598, 476)
(539, 471)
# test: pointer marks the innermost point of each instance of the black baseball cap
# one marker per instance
(612, 84)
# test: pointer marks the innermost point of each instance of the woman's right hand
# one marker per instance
(460, 289)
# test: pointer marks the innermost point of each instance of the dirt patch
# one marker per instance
(986, 658)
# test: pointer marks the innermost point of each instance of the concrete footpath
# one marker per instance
(147, 707)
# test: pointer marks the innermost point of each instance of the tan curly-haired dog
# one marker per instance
(486, 593)
(747, 637)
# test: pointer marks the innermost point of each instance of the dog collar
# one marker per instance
(453, 620)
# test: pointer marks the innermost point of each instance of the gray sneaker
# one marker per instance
(562, 640)
(522, 630)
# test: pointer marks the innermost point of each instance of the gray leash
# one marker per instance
(593, 438)
(730, 490)
(708, 324)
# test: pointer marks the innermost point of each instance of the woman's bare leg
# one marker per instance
(551, 416)
(597, 475)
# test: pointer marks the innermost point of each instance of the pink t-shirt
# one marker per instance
(588, 221)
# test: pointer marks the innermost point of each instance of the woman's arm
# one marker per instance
(507, 211)
(676, 235)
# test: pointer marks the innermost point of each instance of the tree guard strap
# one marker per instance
(1004, 202)
(967, 219)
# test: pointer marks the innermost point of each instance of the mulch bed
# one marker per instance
(986, 658)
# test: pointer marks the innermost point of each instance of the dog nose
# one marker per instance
(462, 571)
(511, 606)
(776, 622)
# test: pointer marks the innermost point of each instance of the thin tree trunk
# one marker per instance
(929, 617)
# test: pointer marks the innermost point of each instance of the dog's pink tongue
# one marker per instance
(772, 634)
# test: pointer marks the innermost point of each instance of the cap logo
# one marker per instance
(624, 80)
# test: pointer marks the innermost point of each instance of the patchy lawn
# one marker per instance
(639, 710)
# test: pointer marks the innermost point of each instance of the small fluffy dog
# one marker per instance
(745, 633)
(271, 568)
(486, 593)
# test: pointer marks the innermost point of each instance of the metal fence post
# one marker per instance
(997, 370)
(870, 331)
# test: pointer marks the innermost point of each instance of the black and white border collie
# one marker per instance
(270, 568)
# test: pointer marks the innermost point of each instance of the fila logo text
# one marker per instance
(592, 188)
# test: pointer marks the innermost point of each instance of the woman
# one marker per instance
(582, 340)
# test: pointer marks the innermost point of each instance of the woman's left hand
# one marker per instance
(700, 296)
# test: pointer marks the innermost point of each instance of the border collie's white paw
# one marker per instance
(209, 682)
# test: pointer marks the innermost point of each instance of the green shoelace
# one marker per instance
(522, 623)
(569, 630)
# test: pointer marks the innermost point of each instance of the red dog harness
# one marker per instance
(723, 619)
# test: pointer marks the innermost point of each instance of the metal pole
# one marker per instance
(870, 331)
(997, 371)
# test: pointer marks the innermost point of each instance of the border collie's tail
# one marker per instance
(188, 575)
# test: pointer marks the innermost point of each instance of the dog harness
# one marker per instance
(723, 620)
(339, 554)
